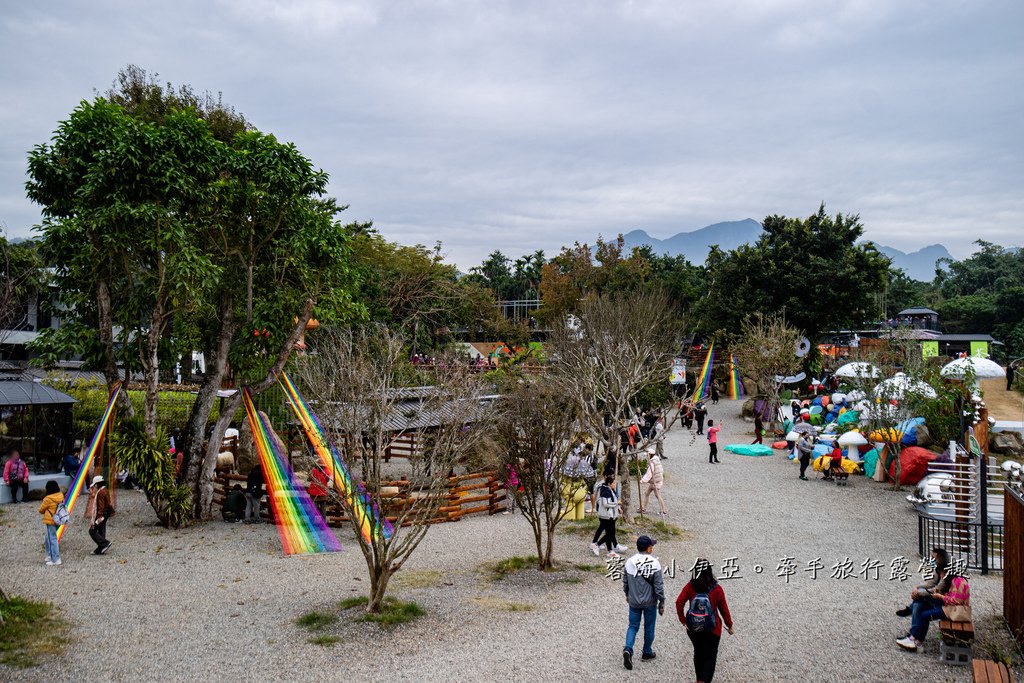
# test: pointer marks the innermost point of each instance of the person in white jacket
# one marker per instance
(608, 507)
(654, 477)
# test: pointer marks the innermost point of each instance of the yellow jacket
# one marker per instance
(49, 506)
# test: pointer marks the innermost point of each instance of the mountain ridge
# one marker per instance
(694, 245)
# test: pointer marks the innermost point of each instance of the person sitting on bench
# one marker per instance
(949, 599)
(835, 466)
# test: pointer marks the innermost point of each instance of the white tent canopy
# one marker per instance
(899, 385)
(859, 370)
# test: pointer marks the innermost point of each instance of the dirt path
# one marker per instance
(1003, 404)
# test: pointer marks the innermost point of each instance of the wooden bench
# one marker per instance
(991, 672)
(957, 638)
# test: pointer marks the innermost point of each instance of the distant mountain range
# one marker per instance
(694, 245)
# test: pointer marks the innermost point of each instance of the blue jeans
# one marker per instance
(650, 616)
(929, 609)
(52, 549)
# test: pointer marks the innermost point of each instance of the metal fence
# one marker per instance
(979, 545)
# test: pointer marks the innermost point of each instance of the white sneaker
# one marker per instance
(57, 563)
(909, 643)
(49, 564)
(594, 549)
(621, 548)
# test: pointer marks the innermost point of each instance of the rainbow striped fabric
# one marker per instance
(302, 528)
(371, 523)
(90, 456)
(735, 383)
(704, 379)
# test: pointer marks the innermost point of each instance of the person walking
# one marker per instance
(54, 498)
(104, 511)
(699, 413)
(758, 428)
(659, 437)
(706, 611)
(253, 495)
(644, 585)
(714, 394)
(713, 441)
(16, 476)
(806, 448)
(654, 477)
(607, 512)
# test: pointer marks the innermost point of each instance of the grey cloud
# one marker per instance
(531, 125)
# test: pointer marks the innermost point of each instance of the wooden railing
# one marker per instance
(463, 495)
(1013, 563)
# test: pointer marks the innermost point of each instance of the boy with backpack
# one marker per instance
(54, 515)
(705, 600)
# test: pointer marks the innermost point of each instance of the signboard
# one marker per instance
(930, 349)
(678, 371)
(979, 348)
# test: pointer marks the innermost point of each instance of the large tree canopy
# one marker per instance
(811, 269)
(183, 228)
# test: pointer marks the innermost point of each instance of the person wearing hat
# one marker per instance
(654, 477)
(104, 510)
(700, 412)
(644, 587)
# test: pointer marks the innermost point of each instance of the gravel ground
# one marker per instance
(220, 600)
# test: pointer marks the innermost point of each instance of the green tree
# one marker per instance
(793, 268)
(182, 240)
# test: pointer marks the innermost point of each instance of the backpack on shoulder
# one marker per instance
(61, 516)
(700, 618)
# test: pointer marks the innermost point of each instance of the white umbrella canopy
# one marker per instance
(859, 369)
(983, 368)
(899, 385)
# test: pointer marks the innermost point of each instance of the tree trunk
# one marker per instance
(195, 429)
(106, 334)
(625, 497)
(379, 578)
(151, 365)
(204, 485)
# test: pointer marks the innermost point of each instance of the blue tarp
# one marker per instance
(749, 449)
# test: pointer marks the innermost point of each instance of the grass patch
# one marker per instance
(503, 605)
(324, 641)
(392, 610)
(572, 579)
(658, 527)
(583, 527)
(30, 631)
(356, 601)
(316, 621)
(418, 578)
(510, 565)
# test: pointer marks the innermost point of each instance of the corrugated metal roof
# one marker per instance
(917, 311)
(18, 392)
(966, 337)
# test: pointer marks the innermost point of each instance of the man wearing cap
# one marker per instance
(98, 530)
(645, 594)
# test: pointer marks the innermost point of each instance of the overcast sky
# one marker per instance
(524, 125)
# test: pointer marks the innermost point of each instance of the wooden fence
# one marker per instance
(1013, 563)
(466, 494)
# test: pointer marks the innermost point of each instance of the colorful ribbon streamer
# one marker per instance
(704, 379)
(301, 526)
(90, 455)
(735, 383)
(365, 511)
